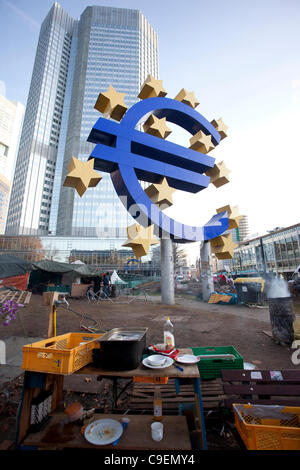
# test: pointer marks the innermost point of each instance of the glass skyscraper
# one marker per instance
(75, 61)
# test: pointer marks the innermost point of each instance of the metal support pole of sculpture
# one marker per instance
(207, 281)
(167, 271)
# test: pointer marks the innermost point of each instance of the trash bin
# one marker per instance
(282, 317)
(250, 290)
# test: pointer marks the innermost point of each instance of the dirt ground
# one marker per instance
(197, 324)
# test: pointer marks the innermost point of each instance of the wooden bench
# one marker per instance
(264, 387)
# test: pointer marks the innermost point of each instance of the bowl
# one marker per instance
(156, 360)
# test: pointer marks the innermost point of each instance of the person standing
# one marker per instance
(106, 284)
(97, 285)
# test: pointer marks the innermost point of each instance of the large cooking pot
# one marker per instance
(120, 349)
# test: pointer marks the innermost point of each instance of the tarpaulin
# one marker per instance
(18, 282)
(13, 266)
(220, 298)
(60, 268)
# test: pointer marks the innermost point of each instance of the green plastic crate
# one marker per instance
(210, 368)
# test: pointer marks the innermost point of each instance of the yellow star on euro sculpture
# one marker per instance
(201, 142)
(140, 239)
(220, 127)
(111, 103)
(223, 246)
(161, 193)
(187, 98)
(152, 88)
(233, 215)
(218, 174)
(157, 127)
(81, 175)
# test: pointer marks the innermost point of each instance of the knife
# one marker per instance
(125, 422)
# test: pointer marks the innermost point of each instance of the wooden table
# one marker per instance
(137, 435)
(145, 374)
(35, 382)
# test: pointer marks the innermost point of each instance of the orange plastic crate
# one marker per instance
(62, 354)
(261, 433)
(151, 380)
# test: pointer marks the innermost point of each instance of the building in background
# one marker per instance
(11, 119)
(4, 198)
(243, 229)
(75, 61)
(277, 252)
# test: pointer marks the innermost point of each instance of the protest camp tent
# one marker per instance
(115, 279)
(14, 272)
(58, 272)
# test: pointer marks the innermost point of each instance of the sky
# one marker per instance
(241, 58)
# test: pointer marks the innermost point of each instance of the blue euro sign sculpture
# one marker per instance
(130, 155)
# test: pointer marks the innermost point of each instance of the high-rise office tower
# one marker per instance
(11, 118)
(243, 228)
(75, 61)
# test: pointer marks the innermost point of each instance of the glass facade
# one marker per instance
(75, 61)
(108, 253)
(277, 252)
(32, 189)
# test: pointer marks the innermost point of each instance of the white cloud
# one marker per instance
(22, 14)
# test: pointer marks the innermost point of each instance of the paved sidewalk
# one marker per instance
(13, 357)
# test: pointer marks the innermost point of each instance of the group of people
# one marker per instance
(103, 281)
(226, 279)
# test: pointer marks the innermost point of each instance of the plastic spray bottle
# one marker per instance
(157, 405)
(169, 340)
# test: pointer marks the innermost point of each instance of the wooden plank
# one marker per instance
(172, 408)
(14, 295)
(228, 402)
(54, 382)
(268, 333)
(142, 396)
(170, 400)
(20, 296)
(5, 297)
(28, 297)
(288, 375)
(239, 384)
(262, 389)
(137, 435)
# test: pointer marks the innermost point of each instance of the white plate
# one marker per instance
(103, 431)
(168, 363)
(187, 359)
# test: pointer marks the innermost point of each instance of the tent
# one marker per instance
(61, 275)
(14, 272)
(115, 279)
(51, 266)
